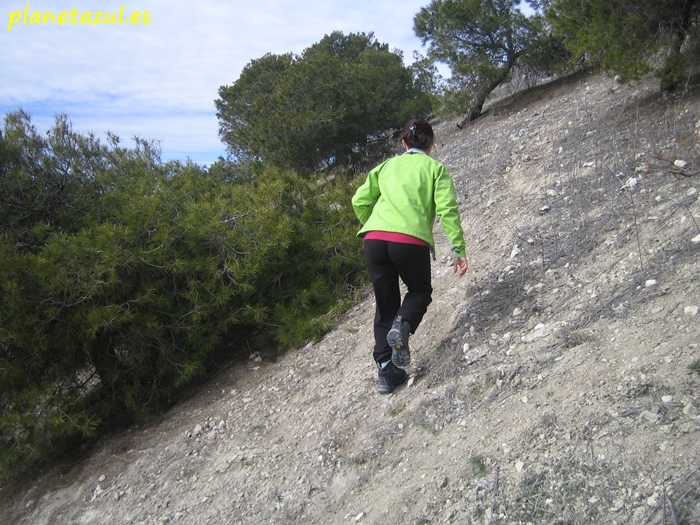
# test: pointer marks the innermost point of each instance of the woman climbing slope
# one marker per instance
(397, 206)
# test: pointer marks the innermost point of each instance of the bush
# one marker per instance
(116, 295)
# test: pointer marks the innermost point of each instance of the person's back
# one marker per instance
(397, 206)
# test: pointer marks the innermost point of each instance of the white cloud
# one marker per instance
(160, 80)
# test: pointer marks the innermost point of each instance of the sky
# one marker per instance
(157, 74)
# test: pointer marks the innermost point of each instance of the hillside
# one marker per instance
(552, 384)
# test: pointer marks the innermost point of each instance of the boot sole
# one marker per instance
(400, 355)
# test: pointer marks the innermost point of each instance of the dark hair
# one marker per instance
(417, 134)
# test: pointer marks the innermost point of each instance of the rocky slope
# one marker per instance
(556, 383)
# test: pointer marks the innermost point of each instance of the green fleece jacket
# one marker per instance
(404, 194)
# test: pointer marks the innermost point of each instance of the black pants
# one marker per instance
(386, 263)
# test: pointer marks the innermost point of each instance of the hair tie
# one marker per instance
(412, 129)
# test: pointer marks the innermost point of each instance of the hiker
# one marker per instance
(397, 205)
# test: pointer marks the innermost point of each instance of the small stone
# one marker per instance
(653, 500)
(536, 333)
(102, 478)
(695, 239)
(650, 416)
(691, 192)
(667, 399)
(618, 505)
(359, 516)
(519, 465)
(650, 283)
(680, 163)
(197, 430)
(691, 310)
(517, 312)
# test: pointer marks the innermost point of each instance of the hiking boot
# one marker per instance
(389, 377)
(398, 341)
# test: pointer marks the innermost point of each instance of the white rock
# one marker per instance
(695, 239)
(680, 163)
(538, 332)
(691, 192)
(650, 416)
(519, 465)
(618, 505)
(359, 516)
(475, 354)
(667, 399)
(691, 310)
(650, 283)
(197, 430)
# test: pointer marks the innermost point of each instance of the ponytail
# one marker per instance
(417, 134)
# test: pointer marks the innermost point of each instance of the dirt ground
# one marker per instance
(556, 383)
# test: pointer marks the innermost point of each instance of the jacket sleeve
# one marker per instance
(365, 197)
(446, 206)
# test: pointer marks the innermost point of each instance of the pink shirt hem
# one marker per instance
(394, 237)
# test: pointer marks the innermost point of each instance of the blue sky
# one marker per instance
(158, 80)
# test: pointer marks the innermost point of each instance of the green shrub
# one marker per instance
(115, 298)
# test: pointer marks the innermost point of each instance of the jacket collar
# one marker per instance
(414, 150)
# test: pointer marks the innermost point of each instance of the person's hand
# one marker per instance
(460, 265)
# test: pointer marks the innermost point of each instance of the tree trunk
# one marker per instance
(475, 110)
